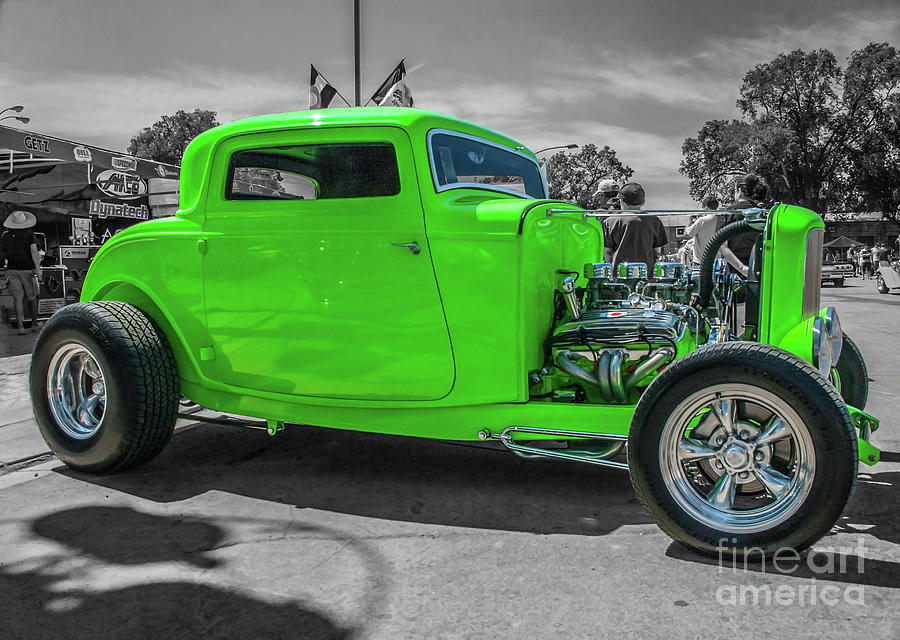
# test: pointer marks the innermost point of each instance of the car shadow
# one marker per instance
(824, 563)
(389, 477)
(52, 598)
(873, 511)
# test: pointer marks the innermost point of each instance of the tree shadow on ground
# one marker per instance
(51, 599)
(388, 477)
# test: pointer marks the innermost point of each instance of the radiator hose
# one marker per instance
(709, 257)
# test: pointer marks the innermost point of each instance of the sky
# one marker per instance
(639, 76)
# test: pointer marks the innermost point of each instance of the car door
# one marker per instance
(318, 279)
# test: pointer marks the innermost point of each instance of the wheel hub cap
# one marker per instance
(76, 391)
(736, 457)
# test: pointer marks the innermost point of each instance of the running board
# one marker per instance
(529, 451)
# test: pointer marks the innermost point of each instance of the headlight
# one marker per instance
(822, 347)
(833, 327)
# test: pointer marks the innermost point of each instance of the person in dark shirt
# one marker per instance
(19, 249)
(749, 190)
(634, 237)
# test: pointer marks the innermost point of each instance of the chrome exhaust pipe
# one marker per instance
(647, 367)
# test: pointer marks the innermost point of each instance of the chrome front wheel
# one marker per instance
(76, 390)
(745, 447)
(737, 458)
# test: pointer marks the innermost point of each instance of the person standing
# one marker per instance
(685, 253)
(633, 237)
(865, 262)
(607, 194)
(19, 248)
(749, 190)
(704, 228)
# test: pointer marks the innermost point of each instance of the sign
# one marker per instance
(110, 210)
(76, 252)
(119, 184)
(82, 154)
(82, 232)
(37, 145)
(124, 164)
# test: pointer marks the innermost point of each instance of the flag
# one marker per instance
(394, 92)
(321, 93)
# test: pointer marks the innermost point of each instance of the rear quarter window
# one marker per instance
(314, 172)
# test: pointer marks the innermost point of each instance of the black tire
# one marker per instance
(880, 285)
(777, 374)
(851, 368)
(139, 383)
(839, 282)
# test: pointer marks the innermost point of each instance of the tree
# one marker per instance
(817, 133)
(166, 139)
(574, 177)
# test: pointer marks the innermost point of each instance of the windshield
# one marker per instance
(463, 161)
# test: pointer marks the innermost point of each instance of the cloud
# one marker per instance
(107, 109)
(707, 76)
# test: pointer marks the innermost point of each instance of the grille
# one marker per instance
(812, 273)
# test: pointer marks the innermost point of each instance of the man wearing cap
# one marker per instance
(634, 237)
(607, 192)
(19, 249)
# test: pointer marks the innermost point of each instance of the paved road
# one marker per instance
(319, 534)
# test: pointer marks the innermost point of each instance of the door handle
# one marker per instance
(412, 246)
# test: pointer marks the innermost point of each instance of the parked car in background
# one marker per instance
(887, 276)
(837, 271)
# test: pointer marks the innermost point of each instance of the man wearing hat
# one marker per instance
(607, 192)
(19, 249)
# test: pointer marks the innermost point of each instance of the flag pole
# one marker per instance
(356, 45)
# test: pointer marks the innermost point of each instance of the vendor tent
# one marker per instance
(842, 242)
(52, 174)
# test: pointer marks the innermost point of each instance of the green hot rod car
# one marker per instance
(398, 271)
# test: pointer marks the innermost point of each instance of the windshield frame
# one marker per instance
(480, 185)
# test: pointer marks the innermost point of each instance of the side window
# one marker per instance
(466, 161)
(315, 171)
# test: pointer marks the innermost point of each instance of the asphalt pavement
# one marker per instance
(318, 533)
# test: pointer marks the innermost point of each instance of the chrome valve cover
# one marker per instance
(622, 325)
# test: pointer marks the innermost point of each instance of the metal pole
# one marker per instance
(356, 45)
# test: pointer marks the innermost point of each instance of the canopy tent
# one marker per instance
(53, 174)
(80, 195)
(842, 242)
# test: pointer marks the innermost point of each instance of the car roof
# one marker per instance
(197, 158)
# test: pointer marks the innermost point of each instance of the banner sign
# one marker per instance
(125, 164)
(121, 185)
(82, 154)
(119, 210)
(68, 151)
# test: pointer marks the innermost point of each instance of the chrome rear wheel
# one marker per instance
(76, 390)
